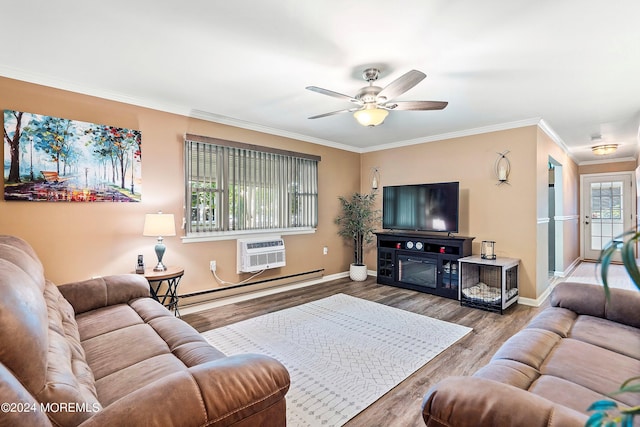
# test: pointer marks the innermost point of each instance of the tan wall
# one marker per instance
(76, 241)
(607, 167)
(568, 226)
(505, 213)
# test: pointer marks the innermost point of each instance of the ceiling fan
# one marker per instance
(374, 103)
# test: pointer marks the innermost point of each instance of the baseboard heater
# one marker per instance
(244, 285)
(260, 254)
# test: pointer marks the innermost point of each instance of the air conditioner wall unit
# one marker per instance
(260, 254)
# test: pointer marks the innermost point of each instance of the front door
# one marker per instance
(606, 210)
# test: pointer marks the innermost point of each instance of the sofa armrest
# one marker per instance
(20, 408)
(588, 299)
(104, 291)
(218, 393)
(479, 402)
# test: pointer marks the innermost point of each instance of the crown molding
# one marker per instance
(617, 160)
(41, 79)
(456, 134)
(217, 118)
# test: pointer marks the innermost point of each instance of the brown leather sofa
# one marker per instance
(570, 355)
(103, 353)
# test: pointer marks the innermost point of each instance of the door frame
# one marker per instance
(632, 201)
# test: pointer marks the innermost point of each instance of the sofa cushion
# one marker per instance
(591, 366)
(107, 319)
(509, 372)
(131, 345)
(127, 380)
(69, 379)
(565, 393)
(23, 316)
(588, 299)
(13, 392)
(555, 319)
(121, 348)
(20, 253)
(184, 342)
(599, 332)
(530, 346)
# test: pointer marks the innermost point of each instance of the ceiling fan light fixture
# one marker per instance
(603, 150)
(371, 116)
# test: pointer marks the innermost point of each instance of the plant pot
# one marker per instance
(358, 272)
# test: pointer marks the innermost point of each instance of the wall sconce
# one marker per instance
(159, 225)
(488, 249)
(375, 177)
(502, 168)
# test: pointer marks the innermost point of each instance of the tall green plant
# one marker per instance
(608, 412)
(358, 221)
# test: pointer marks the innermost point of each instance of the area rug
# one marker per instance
(343, 353)
(589, 272)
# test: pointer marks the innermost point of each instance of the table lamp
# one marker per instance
(159, 225)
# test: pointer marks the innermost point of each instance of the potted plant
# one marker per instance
(608, 412)
(357, 223)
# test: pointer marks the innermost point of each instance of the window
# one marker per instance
(235, 188)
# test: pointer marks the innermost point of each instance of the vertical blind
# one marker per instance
(233, 187)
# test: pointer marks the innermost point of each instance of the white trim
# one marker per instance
(544, 126)
(219, 302)
(217, 118)
(244, 234)
(569, 269)
(544, 220)
(584, 203)
(566, 217)
(455, 134)
(598, 162)
(44, 80)
(41, 79)
(538, 301)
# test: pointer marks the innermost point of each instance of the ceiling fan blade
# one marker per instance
(319, 116)
(415, 105)
(334, 94)
(402, 84)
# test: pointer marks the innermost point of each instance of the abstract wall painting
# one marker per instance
(61, 160)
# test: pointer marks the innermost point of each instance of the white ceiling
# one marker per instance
(573, 63)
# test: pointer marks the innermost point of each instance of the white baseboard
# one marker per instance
(218, 302)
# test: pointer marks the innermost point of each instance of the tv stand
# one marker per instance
(421, 261)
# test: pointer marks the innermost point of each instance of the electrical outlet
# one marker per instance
(325, 250)
(212, 266)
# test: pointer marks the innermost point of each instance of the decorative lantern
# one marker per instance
(488, 249)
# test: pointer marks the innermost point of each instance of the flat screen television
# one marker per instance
(421, 207)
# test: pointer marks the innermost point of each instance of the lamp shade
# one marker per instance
(370, 116)
(159, 225)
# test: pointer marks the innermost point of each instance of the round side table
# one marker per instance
(171, 276)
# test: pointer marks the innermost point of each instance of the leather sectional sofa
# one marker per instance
(570, 355)
(103, 353)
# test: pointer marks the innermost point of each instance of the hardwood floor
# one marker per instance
(402, 405)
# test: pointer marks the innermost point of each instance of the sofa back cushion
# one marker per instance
(587, 299)
(41, 344)
(68, 377)
(18, 252)
(23, 330)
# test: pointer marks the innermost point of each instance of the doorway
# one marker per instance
(555, 203)
(606, 210)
